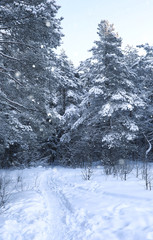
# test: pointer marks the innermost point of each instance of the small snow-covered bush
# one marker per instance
(87, 173)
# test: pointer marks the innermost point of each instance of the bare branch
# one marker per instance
(14, 79)
(19, 43)
(11, 106)
(7, 56)
(18, 104)
(12, 102)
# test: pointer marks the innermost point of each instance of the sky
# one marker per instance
(133, 20)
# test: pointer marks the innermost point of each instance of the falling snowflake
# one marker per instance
(48, 24)
(17, 74)
(30, 97)
(121, 161)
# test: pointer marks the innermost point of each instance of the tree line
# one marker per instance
(54, 112)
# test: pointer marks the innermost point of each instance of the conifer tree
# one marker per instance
(144, 71)
(29, 33)
(107, 117)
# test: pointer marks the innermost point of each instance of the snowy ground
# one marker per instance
(57, 204)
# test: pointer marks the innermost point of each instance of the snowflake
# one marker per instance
(48, 24)
(17, 74)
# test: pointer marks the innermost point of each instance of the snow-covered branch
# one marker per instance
(11, 106)
(17, 104)
(7, 56)
(18, 43)
(7, 74)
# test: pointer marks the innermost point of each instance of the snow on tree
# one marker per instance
(29, 33)
(119, 98)
(107, 113)
(67, 84)
(50, 109)
(67, 98)
(131, 56)
(144, 71)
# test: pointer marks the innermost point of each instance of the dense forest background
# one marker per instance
(51, 111)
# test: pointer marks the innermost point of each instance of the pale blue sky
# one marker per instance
(133, 20)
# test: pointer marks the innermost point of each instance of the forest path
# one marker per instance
(57, 204)
(37, 209)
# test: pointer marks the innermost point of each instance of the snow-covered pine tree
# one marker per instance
(86, 72)
(67, 99)
(29, 33)
(144, 70)
(131, 56)
(108, 121)
(67, 84)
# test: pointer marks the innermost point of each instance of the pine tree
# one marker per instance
(107, 121)
(144, 70)
(67, 85)
(29, 33)
(67, 100)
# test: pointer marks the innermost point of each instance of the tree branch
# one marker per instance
(10, 106)
(19, 43)
(3, 28)
(150, 145)
(14, 79)
(18, 104)
(12, 102)
(7, 56)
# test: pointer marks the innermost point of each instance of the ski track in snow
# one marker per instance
(64, 207)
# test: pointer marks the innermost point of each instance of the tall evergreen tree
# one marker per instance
(108, 120)
(30, 31)
(144, 70)
(67, 99)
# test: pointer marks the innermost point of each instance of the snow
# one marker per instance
(19, 125)
(101, 80)
(57, 204)
(71, 110)
(78, 122)
(126, 106)
(111, 138)
(130, 136)
(65, 138)
(95, 91)
(118, 96)
(109, 108)
(132, 126)
(106, 110)
(72, 94)
(129, 83)
(17, 74)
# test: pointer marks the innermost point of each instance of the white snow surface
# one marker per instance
(57, 204)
